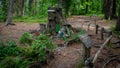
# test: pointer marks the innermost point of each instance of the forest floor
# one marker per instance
(69, 57)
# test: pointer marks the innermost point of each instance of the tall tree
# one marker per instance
(60, 7)
(118, 21)
(86, 11)
(4, 9)
(22, 7)
(10, 14)
(67, 4)
(108, 6)
(114, 8)
(30, 4)
(35, 7)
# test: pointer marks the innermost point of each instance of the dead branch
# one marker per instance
(102, 46)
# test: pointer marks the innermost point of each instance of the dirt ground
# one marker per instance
(69, 57)
(14, 32)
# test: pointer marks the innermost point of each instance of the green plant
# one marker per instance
(8, 48)
(15, 56)
(81, 64)
(75, 37)
(110, 45)
(38, 49)
(14, 62)
(112, 28)
(26, 38)
(41, 44)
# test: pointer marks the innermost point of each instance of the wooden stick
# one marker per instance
(99, 51)
(96, 29)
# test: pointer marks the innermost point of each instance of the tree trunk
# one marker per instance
(108, 6)
(35, 7)
(67, 6)
(86, 11)
(30, 6)
(118, 21)
(4, 9)
(60, 7)
(114, 9)
(22, 8)
(60, 3)
(10, 14)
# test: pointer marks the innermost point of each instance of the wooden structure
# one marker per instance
(55, 17)
(89, 62)
(87, 44)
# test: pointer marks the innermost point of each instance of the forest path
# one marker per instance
(68, 57)
(14, 32)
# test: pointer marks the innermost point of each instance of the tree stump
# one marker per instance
(42, 28)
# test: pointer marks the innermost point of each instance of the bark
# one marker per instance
(67, 6)
(114, 9)
(118, 21)
(86, 11)
(30, 5)
(22, 8)
(60, 7)
(108, 6)
(4, 8)
(35, 7)
(10, 14)
(60, 3)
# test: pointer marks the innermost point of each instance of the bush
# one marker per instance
(38, 49)
(41, 45)
(26, 38)
(13, 56)
(8, 48)
(14, 62)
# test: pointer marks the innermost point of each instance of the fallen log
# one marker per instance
(99, 51)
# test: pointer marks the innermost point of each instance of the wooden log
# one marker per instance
(99, 51)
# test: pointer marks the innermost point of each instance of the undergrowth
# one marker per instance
(13, 56)
(75, 37)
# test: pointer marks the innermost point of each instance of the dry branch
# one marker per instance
(99, 51)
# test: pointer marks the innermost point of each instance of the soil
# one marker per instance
(69, 57)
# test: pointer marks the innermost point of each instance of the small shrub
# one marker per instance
(8, 48)
(26, 38)
(38, 49)
(41, 44)
(75, 37)
(13, 56)
(14, 62)
(81, 63)
(112, 28)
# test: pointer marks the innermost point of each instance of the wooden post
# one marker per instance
(87, 44)
(89, 63)
(102, 33)
(96, 29)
